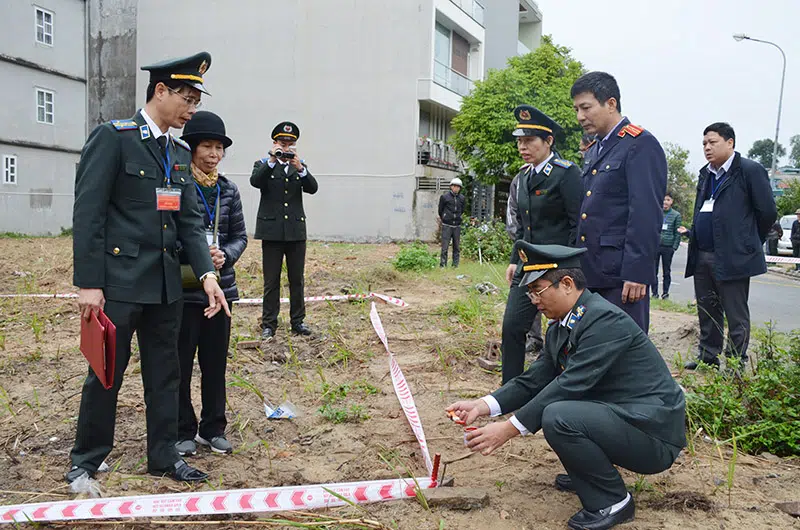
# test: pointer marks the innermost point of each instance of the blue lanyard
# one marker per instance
(205, 203)
(716, 183)
(167, 165)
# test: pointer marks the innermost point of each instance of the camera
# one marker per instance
(280, 153)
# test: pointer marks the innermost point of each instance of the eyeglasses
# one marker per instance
(192, 102)
(533, 295)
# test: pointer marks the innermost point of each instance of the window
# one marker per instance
(9, 169)
(44, 26)
(44, 106)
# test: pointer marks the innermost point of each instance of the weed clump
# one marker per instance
(415, 257)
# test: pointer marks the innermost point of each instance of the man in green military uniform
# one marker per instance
(282, 178)
(547, 198)
(600, 391)
(134, 200)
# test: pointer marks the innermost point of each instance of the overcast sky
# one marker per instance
(679, 68)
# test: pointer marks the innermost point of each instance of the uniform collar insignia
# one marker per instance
(144, 131)
(575, 316)
(547, 169)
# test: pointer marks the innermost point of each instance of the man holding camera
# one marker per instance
(282, 178)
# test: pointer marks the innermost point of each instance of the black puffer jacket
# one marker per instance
(232, 241)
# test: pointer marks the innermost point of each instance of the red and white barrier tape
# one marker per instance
(781, 259)
(259, 500)
(216, 502)
(252, 301)
(403, 392)
(388, 299)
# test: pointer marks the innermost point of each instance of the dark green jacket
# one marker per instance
(280, 212)
(548, 204)
(122, 243)
(603, 358)
(669, 229)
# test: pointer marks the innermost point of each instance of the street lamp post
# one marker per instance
(739, 37)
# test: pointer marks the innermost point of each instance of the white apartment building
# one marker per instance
(372, 84)
(43, 116)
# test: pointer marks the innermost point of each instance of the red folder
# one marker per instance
(98, 345)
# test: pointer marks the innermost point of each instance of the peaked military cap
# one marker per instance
(533, 122)
(286, 130)
(188, 70)
(538, 259)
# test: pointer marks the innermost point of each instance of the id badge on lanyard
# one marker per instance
(168, 199)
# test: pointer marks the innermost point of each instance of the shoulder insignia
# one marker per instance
(562, 163)
(181, 143)
(547, 169)
(633, 130)
(576, 316)
(124, 125)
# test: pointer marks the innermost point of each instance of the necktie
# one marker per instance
(162, 144)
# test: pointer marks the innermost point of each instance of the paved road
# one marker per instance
(772, 297)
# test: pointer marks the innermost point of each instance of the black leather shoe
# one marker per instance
(182, 472)
(665, 296)
(268, 334)
(692, 365)
(75, 473)
(301, 329)
(601, 519)
(564, 483)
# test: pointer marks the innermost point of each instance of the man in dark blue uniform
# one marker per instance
(624, 183)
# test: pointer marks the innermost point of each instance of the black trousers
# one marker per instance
(272, 253)
(448, 233)
(796, 254)
(520, 314)
(590, 439)
(638, 311)
(772, 246)
(210, 339)
(664, 255)
(156, 327)
(718, 301)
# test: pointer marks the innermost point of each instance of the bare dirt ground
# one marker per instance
(436, 341)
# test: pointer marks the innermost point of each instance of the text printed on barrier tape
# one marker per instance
(216, 502)
(403, 391)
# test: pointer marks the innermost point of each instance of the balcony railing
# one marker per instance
(471, 7)
(450, 79)
(437, 154)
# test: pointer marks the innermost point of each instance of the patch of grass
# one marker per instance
(415, 257)
(13, 235)
(761, 409)
(468, 311)
(672, 306)
(343, 414)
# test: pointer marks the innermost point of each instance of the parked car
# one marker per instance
(784, 244)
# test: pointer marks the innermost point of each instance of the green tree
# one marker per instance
(762, 152)
(542, 78)
(789, 202)
(794, 153)
(680, 181)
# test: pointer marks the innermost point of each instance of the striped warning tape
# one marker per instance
(781, 259)
(402, 390)
(253, 301)
(257, 500)
(306, 497)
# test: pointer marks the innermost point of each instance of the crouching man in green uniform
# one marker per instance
(600, 392)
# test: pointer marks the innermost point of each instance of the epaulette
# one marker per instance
(181, 143)
(633, 130)
(566, 164)
(124, 125)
